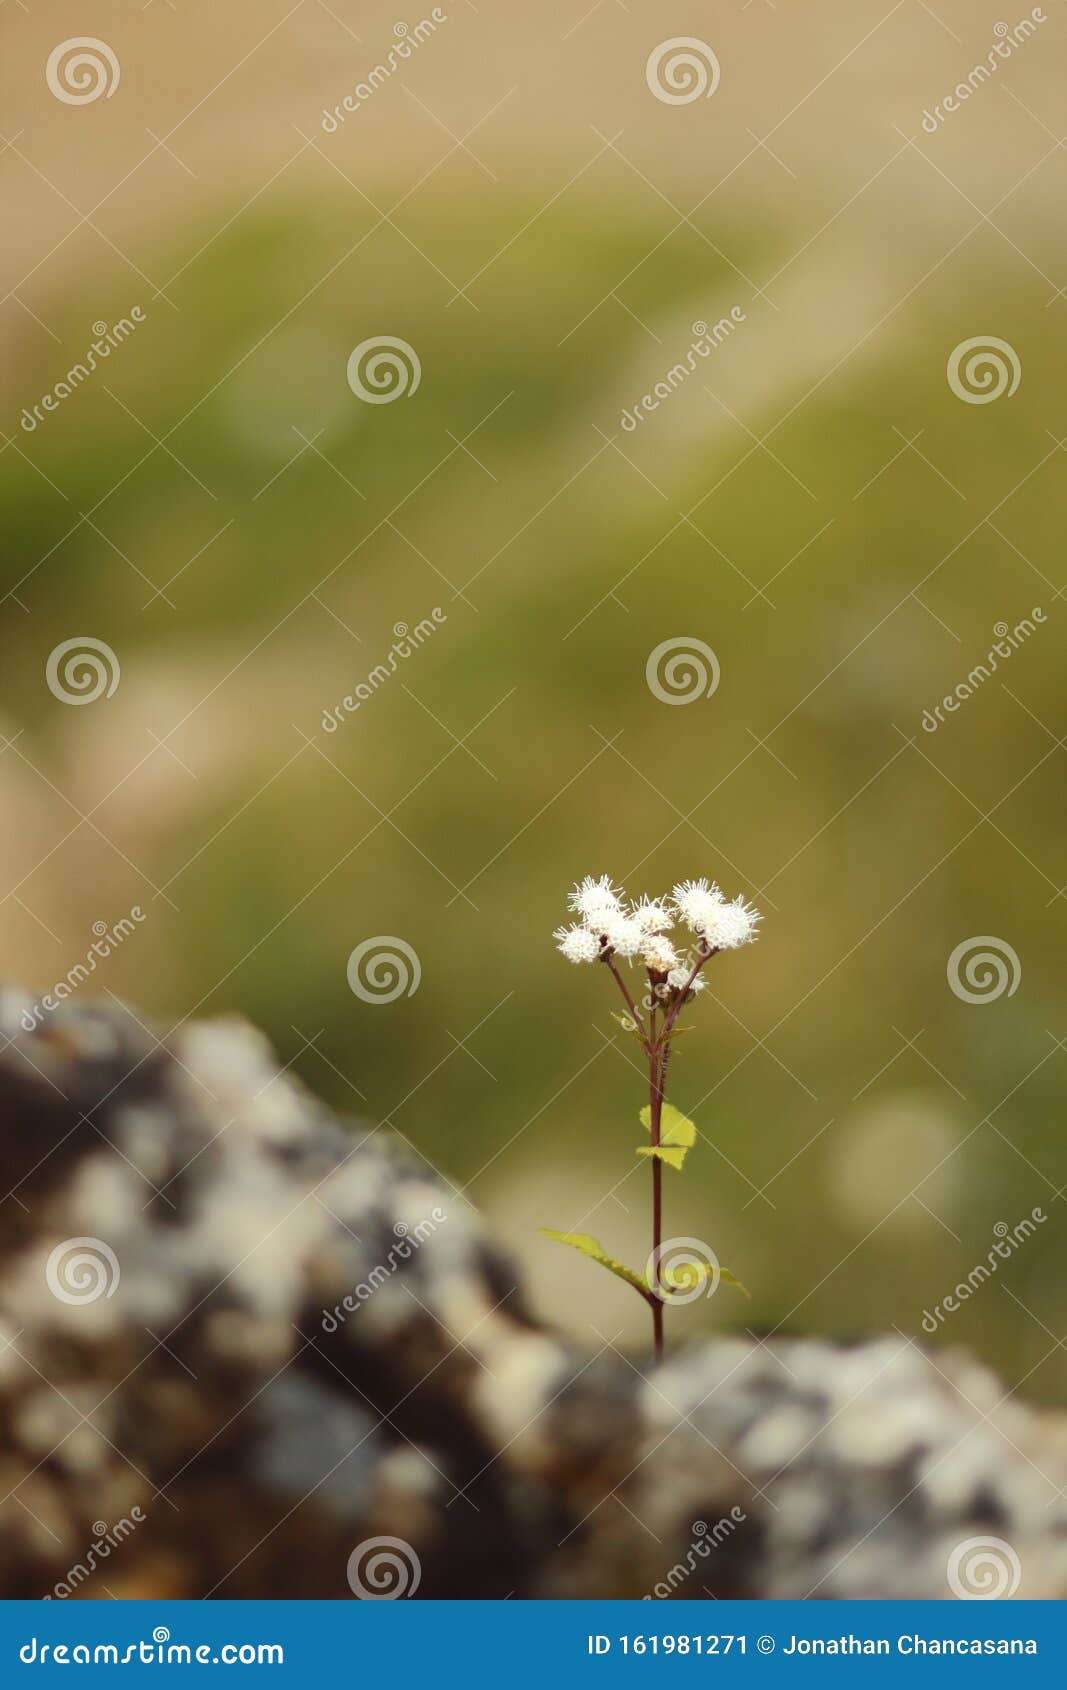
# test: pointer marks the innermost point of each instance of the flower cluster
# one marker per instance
(610, 926)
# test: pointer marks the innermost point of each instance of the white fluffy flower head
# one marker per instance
(732, 925)
(653, 915)
(697, 903)
(659, 954)
(577, 944)
(623, 934)
(595, 899)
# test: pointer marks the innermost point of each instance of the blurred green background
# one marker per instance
(863, 1129)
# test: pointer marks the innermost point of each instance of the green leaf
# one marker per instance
(689, 1275)
(677, 1136)
(673, 1155)
(592, 1248)
(626, 1022)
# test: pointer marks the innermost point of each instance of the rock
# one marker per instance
(250, 1350)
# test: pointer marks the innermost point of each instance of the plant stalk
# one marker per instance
(657, 1045)
(657, 1069)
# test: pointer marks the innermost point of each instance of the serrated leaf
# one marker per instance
(677, 1136)
(689, 1275)
(592, 1248)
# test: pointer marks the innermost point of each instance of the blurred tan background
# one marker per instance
(815, 504)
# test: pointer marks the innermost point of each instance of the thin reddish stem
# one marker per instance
(655, 1094)
(624, 989)
(657, 1045)
(659, 1051)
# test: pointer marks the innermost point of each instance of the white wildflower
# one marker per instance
(732, 925)
(604, 927)
(623, 934)
(577, 944)
(652, 915)
(697, 902)
(594, 899)
(659, 954)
